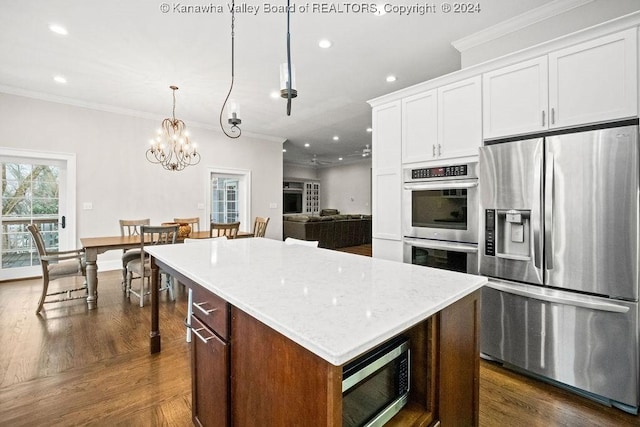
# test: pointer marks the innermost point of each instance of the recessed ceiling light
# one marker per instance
(284, 150)
(58, 29)
(391, 79)
(335, 138)
(60, 79)
(324, 43)
(340, 158)
(369, 130)
(306, 145)
(275, 94)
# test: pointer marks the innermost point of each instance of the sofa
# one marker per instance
(331, 230)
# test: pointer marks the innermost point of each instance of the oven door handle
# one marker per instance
(447, 246)
(440, 185)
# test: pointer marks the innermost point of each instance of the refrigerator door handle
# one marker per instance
(536, 216)
(558, 297)
(548, 212)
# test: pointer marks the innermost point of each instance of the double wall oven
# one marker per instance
(440, 217)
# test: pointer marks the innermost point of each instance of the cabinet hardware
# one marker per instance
(434, 150)
(439, 150)
(543, 118)
(553, 116)
(203, 339)
(205, 312)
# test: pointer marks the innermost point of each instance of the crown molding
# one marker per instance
(516, 23)
(10, 90)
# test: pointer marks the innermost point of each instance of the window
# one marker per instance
(37, 188)
(30, 194)
(230, 195)
(224, 199)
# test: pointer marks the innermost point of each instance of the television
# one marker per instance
(291, 202)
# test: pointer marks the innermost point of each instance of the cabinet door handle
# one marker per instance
(553, 116)
(205, 312)
(543, 118)
(439, 150)
(203, 339)
(434, 150)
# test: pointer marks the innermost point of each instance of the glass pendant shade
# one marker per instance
(234, 112)
(284, 79)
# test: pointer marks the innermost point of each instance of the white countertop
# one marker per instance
(336, 305)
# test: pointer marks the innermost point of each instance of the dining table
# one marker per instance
(93, 246)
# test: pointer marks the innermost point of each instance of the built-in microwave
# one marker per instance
(441, 203)
(376, 386)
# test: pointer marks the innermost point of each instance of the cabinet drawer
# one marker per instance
(212, 311)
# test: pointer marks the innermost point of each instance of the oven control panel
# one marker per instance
(439, 172)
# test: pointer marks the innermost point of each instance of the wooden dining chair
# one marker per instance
(194, 223)
(229, 229)
(130, 227)
(260, 226)
(56, 265)
(141, 266)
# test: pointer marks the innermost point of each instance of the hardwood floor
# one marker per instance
(72, 366)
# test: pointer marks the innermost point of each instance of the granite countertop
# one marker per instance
(336, 305)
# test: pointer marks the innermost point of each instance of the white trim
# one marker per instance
(516, 23)
(245, 201)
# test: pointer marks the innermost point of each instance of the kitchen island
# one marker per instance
(275, 323)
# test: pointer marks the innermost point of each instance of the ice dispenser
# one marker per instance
(508, 234)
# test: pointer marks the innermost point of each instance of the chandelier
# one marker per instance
(234, 107)
(171, 147)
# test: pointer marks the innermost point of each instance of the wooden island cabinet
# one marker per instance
(269, 353)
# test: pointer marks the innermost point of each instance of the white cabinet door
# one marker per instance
(460, 118)
(386, 165)
(594, 81)
(420, 127)
(515, 99)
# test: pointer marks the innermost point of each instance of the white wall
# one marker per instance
(346, 187)
(576, 19)
(113, 174)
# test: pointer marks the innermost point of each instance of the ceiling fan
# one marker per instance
(366, 152)
(315, 161)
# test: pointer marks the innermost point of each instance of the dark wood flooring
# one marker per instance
(72, 366)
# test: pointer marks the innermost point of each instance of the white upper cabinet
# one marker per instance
(594, 81)
(590, 82)
(420, 127)
(460, 118)
(515, 99)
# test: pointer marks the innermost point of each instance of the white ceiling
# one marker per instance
(124, 54)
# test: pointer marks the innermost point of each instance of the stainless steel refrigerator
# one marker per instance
(559, 243)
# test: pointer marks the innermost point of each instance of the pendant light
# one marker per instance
(287, 72)
(234, 107)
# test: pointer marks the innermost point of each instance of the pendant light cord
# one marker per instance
(288, 63)
(235, 130)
